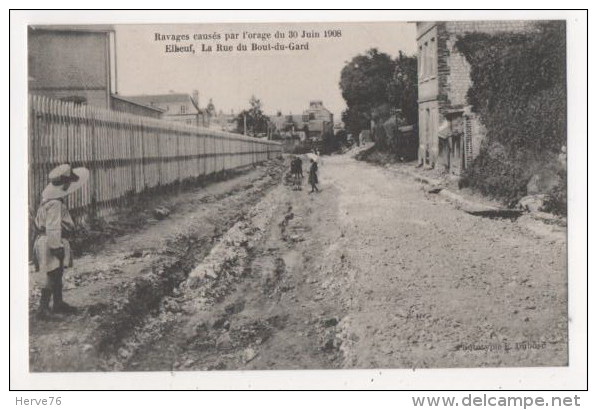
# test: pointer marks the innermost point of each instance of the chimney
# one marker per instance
(196, 97)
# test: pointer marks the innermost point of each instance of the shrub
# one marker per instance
(557, 202)
(519, 91)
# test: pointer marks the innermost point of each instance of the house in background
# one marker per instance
(279, 122)
(319, 119)
(298, 122)
(178, 107)
(124, 104)
(313, 123)
(223, 121)
(450, 134)
(78, 64)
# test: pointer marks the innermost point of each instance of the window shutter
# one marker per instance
(468, 141)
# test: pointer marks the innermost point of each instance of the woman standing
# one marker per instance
(313, 180)
(51, 250)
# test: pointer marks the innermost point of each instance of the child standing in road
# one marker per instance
(299, 173)
(313, 180)
(51, 250)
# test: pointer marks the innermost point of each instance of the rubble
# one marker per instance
(248, 355)
(135, 276)
(532, 203)
(161, 212)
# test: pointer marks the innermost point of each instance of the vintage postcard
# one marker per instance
(388, 194)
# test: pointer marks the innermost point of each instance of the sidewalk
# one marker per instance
(540, 223)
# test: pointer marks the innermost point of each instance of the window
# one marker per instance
(427, 124)
(424, 61)
(420, 62)
(183, 109)
(432, 57)
(427, 60)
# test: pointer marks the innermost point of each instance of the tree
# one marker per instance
(289, 125)
(519, 91)
(377, 88)
(403, 88)
(254, 119)
(364, 84)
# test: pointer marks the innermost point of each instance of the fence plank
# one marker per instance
(126, 154)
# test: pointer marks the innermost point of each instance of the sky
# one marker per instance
(283, 80)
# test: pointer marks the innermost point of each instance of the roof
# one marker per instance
(137, 103)
(170, 98)
(159, 98)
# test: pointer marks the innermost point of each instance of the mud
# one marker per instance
(115, 289)
(373, 272)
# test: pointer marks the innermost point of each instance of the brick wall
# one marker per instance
(490, 26)
(448, 89)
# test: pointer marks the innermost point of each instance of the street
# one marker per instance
(372, 272)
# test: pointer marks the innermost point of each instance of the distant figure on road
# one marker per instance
(51, 250)
(296, 172)
(292, 166)
(299, 172)
(313, 180)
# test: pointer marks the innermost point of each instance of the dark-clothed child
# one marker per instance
(313, 180)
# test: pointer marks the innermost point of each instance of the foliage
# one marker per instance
(256, 121)
(330, 143)
(364, 80)
(342, 137)
(403, 88)
(290, 125)
(364, 84)
(557, 202)
(519, 91)
(496, 173)
(377, 88)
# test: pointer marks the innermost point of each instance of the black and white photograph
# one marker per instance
(298, 195)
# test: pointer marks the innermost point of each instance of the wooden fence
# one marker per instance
(126, 154)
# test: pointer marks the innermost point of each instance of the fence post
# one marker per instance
(107, 142)
(93, 161)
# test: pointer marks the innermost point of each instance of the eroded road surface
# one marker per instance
(372, 272)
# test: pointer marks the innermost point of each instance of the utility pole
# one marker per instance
(245, 124)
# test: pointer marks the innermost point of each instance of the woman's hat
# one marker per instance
(64, 180)
(313, 157)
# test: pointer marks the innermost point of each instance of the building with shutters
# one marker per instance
(450, 134)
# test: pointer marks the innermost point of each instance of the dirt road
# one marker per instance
(373, 272)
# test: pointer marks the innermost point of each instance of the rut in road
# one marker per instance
(370, 273)
(263, 309)
(118, 284)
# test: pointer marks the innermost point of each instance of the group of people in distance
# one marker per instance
(296, 171)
